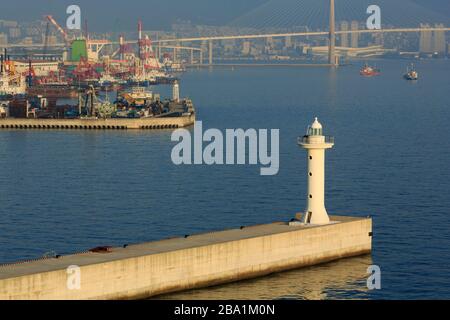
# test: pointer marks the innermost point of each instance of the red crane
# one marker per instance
(85, 70)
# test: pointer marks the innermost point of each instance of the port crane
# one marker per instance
(59, 28)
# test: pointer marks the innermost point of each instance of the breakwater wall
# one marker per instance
(149, 269)
(99, 124)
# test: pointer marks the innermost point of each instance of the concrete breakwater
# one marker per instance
(149, 269)
(99, 124)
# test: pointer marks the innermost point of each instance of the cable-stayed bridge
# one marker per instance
(401, 7)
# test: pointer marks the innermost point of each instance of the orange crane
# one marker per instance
(59, 28)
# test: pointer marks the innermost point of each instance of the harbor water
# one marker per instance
(69, 191)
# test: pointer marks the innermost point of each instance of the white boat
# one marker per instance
(107, 80)
(143, 80)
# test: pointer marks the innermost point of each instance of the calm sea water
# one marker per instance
(66, 191)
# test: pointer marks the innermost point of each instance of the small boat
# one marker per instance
(107, 80)
(142, 80)
(136, 97)
(411, 73)
(368, 71)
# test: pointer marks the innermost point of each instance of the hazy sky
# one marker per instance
(117, 15)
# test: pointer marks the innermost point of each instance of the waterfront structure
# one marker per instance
(40, 68)
(316, 144)
(151, 123)
(135, 109)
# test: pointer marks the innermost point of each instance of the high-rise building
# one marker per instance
(14, 33)
(288, 42)
(355, 36)
(378, 39)
(27, 41)
(246, 48)
(52, 40)
(426, 45)
(8, 24)
(439, 40)
(270, 43)
(344, 36)
(228, 45)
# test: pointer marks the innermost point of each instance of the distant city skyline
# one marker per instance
(118, 16)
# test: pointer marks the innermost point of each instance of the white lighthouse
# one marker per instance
(316, 143)
(176, 91)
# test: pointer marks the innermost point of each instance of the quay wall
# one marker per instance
(192, 262)
(98, 124)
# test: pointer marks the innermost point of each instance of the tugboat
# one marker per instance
(411, 73)
(368, 71)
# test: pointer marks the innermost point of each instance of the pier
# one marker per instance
(153, 123)
(149, 269)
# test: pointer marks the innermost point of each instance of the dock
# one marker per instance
(151, 123)
(195, 261)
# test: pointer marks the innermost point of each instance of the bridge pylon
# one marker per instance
(332, 36)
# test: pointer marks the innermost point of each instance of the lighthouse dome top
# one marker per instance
(315, 129)
(316, 124)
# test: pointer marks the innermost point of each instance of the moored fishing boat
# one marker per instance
(411, 73)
